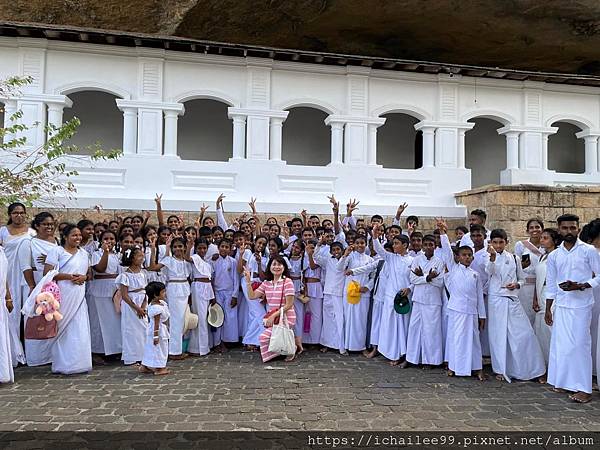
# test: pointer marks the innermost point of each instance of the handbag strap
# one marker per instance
(532, 248)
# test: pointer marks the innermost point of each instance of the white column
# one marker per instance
(372, 145)
(239, 137)
(337, 142)
(591, 154)
(170, 145)
(275, 138)
(512, 150)
(130, 123)
(428, 146)
(460, 157)
(545, 151)
(10, 107)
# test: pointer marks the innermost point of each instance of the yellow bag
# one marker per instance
(353, 292)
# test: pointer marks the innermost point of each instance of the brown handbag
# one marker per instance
(38, 328)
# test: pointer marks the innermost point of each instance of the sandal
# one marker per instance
(578, 399)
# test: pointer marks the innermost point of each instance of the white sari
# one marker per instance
(11, 244)
(37, 351)
(6, 370)
(71, 348)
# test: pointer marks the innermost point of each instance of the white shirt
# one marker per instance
(334, 276)
(225, 275)
(466, 239)
(506, 269)
(579, 265)
(427, 293)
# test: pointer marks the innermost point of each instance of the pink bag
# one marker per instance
(307, 319)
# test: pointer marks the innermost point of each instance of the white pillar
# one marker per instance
(10, 107)
(512, 150)
(275, 138)
(239, 137)
(170, 145)
(428, 146)
(460, 158)
(130, 123)
(337, 142)
(372, 145)
(545, 151)
(591, 154)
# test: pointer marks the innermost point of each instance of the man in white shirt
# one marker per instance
(477, 216)
(570, 277)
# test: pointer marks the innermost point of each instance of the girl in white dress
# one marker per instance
(6, 305)
(106, 268)
(313, 275)
(132, 285)
(12, 236)
(256, 307)
(156, 350)
(202, 296)
(32, 256)
(550, 240)
(69, 265)
(178, 271)
(296, 268)
(530, 252)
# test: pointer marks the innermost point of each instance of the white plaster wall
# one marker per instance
(502, 103)
(10, 61)
(396, 142)
(302, 88)
(485, 152)
(306, 138)
(389, 95)
(566, 153)
(205, 132)
(101, 120)
(582, 108)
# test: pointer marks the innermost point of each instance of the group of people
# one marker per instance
(343, 284)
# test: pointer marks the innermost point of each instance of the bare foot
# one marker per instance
(98, 360)
(404, 364)
(372, 353)
(163, 371)
(178, 357)
(366, 353)
(394, 363)
(481, 376)
(450, 373)
(559, 390)
(581, 397)
(144, 369)
(542, 379)
(500, 377)
(426, 367)
(323, 349)
(290, 358)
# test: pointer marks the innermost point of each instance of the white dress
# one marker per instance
(37, 351)
(202, 294)
(12, 244)
(296, 267)
(355, 316)
(155, 356)
(526, 291)
(543, 332)
(314, 308)
(100, 291)
(6, 368)
(178, 292)
(332, 330)
(256, 307)
(71, 348)
(133, 328)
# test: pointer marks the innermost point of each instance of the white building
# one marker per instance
(198, 118)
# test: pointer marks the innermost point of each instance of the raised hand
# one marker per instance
(441, 225)
(220, 200)
(158, 199)
(203, 208)
(152, 240)
(147, 215)
(492, 253)
(401, 209)
(332, 199)
(418, 271)
(432, 274)
(247, 274)
(252, 204)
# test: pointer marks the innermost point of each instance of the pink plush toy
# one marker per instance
(47, 306)
(53, 288)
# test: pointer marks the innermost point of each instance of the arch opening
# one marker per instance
(485, 151)
(205, 132)
(399, 145)
(306, 140)
(566, 153)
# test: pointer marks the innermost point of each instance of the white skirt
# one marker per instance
(315, 308)
(133, 330)
(355, 323)
(155, 356)
(392, 331)
(424, 344)
(332, 330)
(463, 349)
(199, 337)
(110, 324)
(570, 363)
(177, 307)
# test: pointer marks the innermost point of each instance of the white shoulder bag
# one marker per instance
(282, 337)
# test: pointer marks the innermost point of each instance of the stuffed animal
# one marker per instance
(47, 306)
(53, 288)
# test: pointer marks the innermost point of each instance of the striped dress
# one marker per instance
(275, 294)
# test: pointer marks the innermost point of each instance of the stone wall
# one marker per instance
(510, 207)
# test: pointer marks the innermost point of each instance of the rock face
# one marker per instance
(551, 35)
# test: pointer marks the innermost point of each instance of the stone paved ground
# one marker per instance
(236, 391)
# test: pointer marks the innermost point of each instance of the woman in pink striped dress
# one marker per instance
(278, 291)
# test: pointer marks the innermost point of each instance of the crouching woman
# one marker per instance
(278, 291)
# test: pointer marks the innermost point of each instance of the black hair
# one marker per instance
(476, 227)
(555, 235)
(39, 218)
(479, 213)
(171, 217)
(113, 221)
(308, 229)
(498, 233)
(278, 227)
(396, 227)
(146, 230)
(281, 260)
(125, 225)
(296, 219)
(107, 232)
(128, 255)
(201, 241)
(178, 240)
(594, 230)
(412, 218)
(205, 231)
(12, 207)
(66, 231)
(429, 238)
(314, 217)
(207, 218)
(226, 241)
(462, 228)
(376, 216)
(190, 228)
(238, 234)
(402, 238)
(416, 234)
(535, 219)
(326, 220)
(464, 248)
(278, 242)
(137, 216)
(213, 230)
(319, 228)
(153, 290)
(360, 236)
(337, 244)
(567, 218)
(84, 223)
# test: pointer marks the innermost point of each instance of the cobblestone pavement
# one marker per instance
(236, 391)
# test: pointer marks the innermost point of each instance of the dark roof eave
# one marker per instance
(128, 39)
